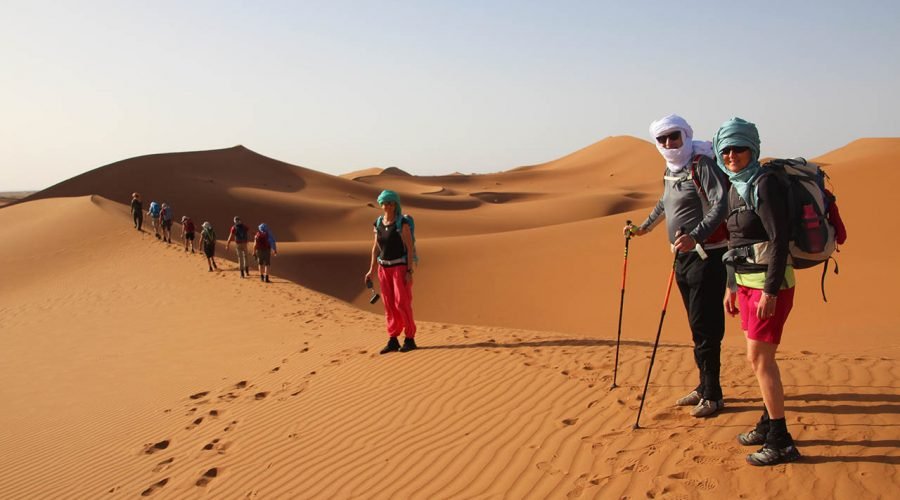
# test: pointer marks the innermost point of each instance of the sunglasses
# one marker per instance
(674, 136)
(734, 149)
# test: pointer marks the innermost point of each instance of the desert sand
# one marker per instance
(129, 370)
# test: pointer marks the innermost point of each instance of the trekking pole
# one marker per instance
(621, 303)
(658, 332)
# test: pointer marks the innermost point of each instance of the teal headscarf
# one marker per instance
(388, 195)
(739, 132)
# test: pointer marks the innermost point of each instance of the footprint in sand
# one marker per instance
(261, 395)
(241, 384)
(163, 465)
(199, 395)
(231, 426)
(570, 421)
(155, 486)
(273, 370)
(213, 413)
(207, 477)
(195, 423)
(154, 447)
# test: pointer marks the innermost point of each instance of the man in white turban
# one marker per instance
(694, 205)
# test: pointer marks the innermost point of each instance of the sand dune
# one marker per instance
(130, 370)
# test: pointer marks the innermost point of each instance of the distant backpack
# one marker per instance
(166, 213)
(154, 209)
(412, 230)
(261, 240)
(188, 225)
(240, 232)
(815, 222)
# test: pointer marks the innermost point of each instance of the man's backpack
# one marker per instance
(240, 232)
(721, 232)
(188, 225)
(412, 231)
(166, 213)
(154, 209)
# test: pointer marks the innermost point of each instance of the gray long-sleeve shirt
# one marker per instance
(683, 206)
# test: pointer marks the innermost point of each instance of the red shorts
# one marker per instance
(764, 330)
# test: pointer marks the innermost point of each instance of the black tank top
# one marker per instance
(389, 240)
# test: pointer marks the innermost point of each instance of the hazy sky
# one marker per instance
(430, 87)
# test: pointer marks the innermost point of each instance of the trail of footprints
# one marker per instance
(217, 446)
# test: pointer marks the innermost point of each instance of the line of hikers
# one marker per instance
(730, 220)
(161, 217)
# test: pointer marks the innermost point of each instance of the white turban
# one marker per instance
(677, 159)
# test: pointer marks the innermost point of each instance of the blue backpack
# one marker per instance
(412, 230)
(154, 209)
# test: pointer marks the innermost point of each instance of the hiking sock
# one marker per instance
(778, 436)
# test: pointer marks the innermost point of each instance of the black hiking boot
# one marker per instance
(242, 273)
(774, 456)
(752, 438)
(408, 345)
(262, 277)
(267, 279)
(393, 345)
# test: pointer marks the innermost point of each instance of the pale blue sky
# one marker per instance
(430, 87)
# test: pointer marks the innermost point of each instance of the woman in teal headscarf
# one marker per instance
(762, 288)
(395, 254)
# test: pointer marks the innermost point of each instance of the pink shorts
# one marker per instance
(764, 330)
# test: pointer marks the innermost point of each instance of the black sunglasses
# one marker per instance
(673, 136)
(735, 150)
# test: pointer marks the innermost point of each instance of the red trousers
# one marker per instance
(396, 294)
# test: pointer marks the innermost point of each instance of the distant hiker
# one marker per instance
(394, 252)
(764, 284)
(153, 212)
(239, 234)
(187, 233)
(264, 246)
(208, 244)
(165, 222)
(694, 199)
(137, 210)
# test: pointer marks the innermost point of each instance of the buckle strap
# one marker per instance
(392, 262)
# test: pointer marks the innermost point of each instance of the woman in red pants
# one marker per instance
(395, 254)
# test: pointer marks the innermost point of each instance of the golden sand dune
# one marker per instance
(130, 370)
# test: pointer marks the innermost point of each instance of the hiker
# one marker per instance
(153, 211)
(764, 293)
(187, 232)
(137, 210)
(239, 234)
(208, 244)
(264, 246)
(394, 252)
(165, 222)
(693, 199)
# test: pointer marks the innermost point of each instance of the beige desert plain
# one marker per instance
(128, 370)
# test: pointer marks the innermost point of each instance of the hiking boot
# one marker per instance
(267, 279)
(707, 407)
(408, 345)
(692, 399)
(262, 277)
(774, 456)
(210, 268)
(242, 273)
(158, 237)
(392, 345)
(752, 438)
